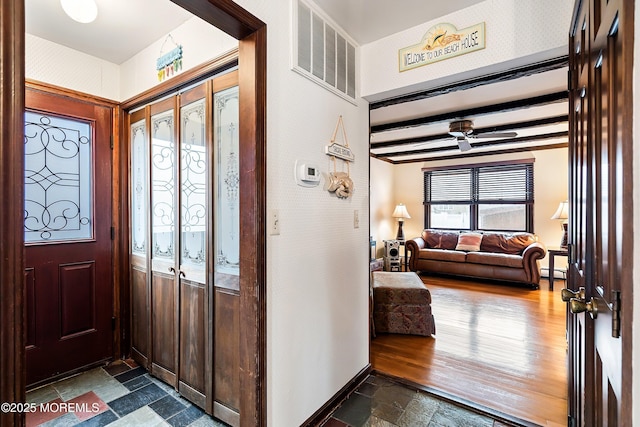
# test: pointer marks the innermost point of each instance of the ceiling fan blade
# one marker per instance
(463, 144)
(496, 135)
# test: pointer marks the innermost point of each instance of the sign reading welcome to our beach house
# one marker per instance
(442, 41)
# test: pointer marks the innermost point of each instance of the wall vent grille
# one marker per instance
(322, 51)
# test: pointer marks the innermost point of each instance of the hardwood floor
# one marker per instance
(497, 345)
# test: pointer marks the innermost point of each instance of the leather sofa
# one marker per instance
(500, 256)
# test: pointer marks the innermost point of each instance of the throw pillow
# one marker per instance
(469, 242)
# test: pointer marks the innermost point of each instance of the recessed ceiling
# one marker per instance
(122, 28)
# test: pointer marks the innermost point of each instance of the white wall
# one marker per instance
(59, 65)
(550, 186)
(200, 42)
(517, 33)
(318, 269)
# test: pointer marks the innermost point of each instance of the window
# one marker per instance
(485, 197)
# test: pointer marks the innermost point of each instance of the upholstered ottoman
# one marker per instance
(401, 304)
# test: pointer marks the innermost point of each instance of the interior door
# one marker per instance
(601, 211)
(67, 235)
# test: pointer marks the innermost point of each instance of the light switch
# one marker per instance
(274, 222)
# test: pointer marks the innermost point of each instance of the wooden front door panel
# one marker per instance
(68, 235)
(601, 183)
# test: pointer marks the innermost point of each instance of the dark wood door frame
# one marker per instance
(12, 313)
(251, 34)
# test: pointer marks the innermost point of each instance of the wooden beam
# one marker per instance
(478, 144)
(478, 154)
(499, 128)
(514, 73)
(519, 104)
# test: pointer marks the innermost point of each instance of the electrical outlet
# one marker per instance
(356, 219)
(274, 222)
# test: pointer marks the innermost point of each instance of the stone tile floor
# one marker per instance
(119, 395)
(381, 402)
(124, 394)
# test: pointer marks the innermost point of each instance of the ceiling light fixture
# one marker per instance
(83, 11)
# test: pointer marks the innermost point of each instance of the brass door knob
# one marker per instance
(567, 294)
(578, 306)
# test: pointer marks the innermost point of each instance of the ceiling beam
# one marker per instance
(514, 73)
(506, 127)
(477, 154)
(519, 104)
(477, 144)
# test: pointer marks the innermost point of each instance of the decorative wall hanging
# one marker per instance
(171, 62)
(442, 41)
(340, 183)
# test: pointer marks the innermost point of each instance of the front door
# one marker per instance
(601, 211)
(67, 224)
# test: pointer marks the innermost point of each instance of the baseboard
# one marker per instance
(506, 419)
(327, 409)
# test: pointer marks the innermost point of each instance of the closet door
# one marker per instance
(139, 240)
(185, 243)
(227, 250)
(164, 289)
(194, 343)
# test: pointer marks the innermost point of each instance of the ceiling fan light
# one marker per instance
(464, 144)
(83, 11)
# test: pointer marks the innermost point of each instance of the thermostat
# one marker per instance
(307, 174)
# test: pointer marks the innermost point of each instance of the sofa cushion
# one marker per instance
(513, 244)
(440, 239)
(442, 255)
(502, 260)
(469, 242)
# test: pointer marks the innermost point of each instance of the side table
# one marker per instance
(554, 252)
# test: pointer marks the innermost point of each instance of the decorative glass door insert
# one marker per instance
(193, 187)
(58, 179)
(227, 181)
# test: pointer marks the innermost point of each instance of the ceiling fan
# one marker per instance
(462, 130)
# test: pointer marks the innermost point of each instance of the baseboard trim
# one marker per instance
(506, 419)
(327, 409)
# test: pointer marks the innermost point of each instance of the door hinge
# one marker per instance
(111, 142)
(113, 323)
(572, 421)
(615, 314)
(113, 233)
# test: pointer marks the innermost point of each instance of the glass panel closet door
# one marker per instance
(140, 345)
(164, 295)
(227, 182)
(193, 192)
(227, 250)
(194, 353)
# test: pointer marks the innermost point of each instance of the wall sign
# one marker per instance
(169, 63)
(442, 41)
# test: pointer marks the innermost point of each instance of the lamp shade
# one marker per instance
(562, 212)
(83, 11)
(401, 212)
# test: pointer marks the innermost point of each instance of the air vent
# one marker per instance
(323, 52)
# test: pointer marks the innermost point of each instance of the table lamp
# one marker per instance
(401, 213)
(562, 213)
